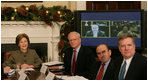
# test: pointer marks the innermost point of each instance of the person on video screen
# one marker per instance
(125, 30)
(95, 32)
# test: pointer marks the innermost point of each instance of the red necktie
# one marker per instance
(99, 77)
(73, 62)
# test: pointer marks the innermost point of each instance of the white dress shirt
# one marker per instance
(128, 61)
(77, 51)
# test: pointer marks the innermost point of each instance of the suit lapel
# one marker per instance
(79, 56)
(131, 67)
(97, 69)
(91, 33)
(118, 65)
(108, 70)
(71, 53)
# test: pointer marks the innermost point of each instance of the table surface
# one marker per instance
(31, 75)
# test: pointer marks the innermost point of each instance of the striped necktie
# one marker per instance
(122, 72)
(99, 77)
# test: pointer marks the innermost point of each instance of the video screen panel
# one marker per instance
(105, 27)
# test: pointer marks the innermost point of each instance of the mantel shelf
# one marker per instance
(38, 32)
(26, 23)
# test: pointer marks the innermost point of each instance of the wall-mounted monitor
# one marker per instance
(98, 27)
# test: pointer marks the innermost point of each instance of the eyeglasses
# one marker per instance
(73, 40)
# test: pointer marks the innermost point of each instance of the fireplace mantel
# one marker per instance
(38, 32)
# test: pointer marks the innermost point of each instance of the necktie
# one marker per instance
(73, 62)
(121, 76)
(99, 77)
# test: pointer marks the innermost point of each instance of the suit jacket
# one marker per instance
(109, 74)
(137, 69)
(84, 60)
(18, 58)
(100, 33)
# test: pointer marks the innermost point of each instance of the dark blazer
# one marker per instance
(109, 74)
(84, 60)
(100, 33)
(137, 69)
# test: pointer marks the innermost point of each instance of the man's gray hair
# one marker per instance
(75, 33)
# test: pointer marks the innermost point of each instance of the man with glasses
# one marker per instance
(95, 32)
(78, 59)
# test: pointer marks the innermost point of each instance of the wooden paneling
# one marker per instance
(102, 5)
(113, 5)
(89, 5)
(125, 5)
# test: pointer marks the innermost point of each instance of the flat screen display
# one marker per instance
(98, 27)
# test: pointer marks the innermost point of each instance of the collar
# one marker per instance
(106, 63)
(128, 60)
(78, 48)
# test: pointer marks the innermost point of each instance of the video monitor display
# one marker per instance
(98, 27)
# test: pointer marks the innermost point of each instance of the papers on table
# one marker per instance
(22, 76)
(21, 71)
(54, 66)
(43, 69)
(11, 72)
(71, 77)
(29, 69)
(55, 63)
(50, 76)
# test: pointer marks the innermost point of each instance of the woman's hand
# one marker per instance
(31, 66)
(6, 69)
(25, 66)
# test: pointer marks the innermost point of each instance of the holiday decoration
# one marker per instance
(46, 14)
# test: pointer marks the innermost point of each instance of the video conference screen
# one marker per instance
(105, 27)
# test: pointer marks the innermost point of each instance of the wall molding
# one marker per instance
(38, 32)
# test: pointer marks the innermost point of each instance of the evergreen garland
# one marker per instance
(46, 14)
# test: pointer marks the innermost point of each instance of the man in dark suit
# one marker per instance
(103, 53)
(95, 32)
(131, 66)
(84, 57)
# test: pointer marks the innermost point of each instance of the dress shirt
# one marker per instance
(77, 51)
(128, 61)
(95, 33)
(105, 67)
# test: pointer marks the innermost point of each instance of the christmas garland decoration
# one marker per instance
(46, 14)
